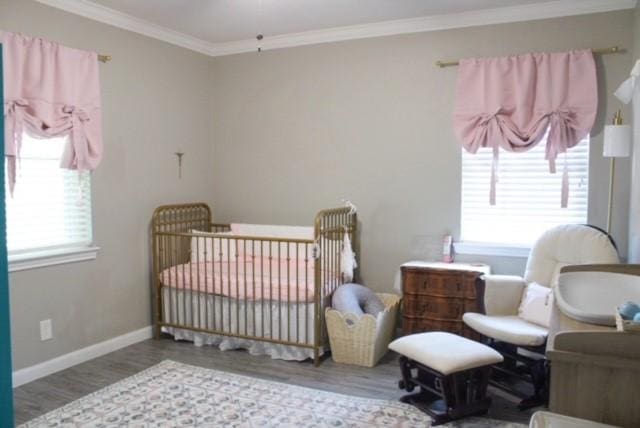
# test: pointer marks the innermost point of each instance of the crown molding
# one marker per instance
(97, 12)
(532, 12)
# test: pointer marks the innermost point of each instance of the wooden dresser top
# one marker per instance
(472, 267)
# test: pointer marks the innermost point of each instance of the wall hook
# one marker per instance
(179, 155)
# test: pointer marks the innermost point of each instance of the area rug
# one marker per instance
(173, 394)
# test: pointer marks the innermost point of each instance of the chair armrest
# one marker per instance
(502, 294)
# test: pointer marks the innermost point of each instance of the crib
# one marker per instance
(259, 287)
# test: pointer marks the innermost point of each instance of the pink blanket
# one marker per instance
(249, 278)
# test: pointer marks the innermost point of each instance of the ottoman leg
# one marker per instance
(467, 393)
(406, 382)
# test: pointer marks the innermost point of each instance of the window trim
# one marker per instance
(492, 249)
(38, 258)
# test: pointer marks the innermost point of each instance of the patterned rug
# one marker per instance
(173, 394)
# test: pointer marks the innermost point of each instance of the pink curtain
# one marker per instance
(51, 90)
(510, 102)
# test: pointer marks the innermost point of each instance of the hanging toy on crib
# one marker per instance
(348, 261)
(347, 258)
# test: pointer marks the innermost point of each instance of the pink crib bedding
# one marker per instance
(253, 278)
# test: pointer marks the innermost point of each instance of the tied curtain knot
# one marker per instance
(560, 124)
(76, 113)
(78, 143)
(485, 121)
(488, 117)
(14, 113)
(11, 105)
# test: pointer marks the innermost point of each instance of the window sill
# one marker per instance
(39, 259)
(491, 249)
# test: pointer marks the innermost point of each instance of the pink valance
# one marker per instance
(510, 103)
(50, 91)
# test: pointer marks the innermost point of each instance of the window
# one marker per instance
(527, 195)
(50, 211)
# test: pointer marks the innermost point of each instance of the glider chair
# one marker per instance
(517, 310)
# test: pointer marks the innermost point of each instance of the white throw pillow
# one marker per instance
(536, 304)
(208, 248)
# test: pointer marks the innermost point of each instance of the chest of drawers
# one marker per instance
(436, 295)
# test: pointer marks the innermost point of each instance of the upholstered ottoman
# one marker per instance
(451, 371)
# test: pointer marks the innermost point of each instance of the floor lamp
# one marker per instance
(617, 144)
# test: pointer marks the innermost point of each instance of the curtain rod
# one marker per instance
(614, 49)
(104, 58)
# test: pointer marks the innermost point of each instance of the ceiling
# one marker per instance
(220, 27)
(217, 21)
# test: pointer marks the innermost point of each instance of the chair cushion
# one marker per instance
(536, 304)
(511, 329)
(569, 244)
(445, 352)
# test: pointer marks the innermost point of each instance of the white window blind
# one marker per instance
(527, 194)
(51, 207)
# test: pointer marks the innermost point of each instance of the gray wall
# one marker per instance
(296, 130)
(272, 138)
(154, 99)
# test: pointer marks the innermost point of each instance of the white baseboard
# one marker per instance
(28, 374)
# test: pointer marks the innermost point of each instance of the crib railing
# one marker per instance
(258, 288)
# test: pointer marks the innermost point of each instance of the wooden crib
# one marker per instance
(207, 279)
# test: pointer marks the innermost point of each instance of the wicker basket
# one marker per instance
(628, 326)
(364, 341)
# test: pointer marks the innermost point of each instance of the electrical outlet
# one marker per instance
(46, 330)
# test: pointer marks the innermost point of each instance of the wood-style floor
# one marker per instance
(51, 392)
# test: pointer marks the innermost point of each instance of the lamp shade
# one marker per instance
(617, 141)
